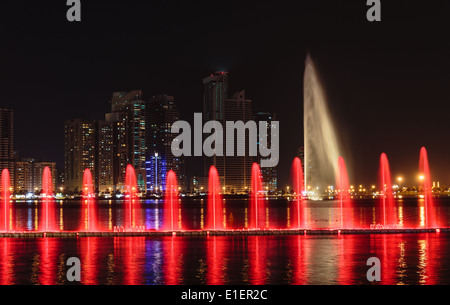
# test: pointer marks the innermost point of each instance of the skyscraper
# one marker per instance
(160, 115)
(215, 92)
(104, 174)
(79, 152)
(28, 173)
(237, 169)
(128, 120)
(88, 144)
(269, 174)
(7, 141)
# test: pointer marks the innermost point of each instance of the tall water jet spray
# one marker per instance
(48, 219)
(343, 186)
(215, 215)
(425, 180)
(171, 204)
(298, 188)
(257, 200)
(5, 201)
(321, 145)
(386, 202)
(132, 217)
(89, 220)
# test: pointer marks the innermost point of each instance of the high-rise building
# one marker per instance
(28, 173)
(104, 174)
(269, 174)
(161, 113)
(128, 120)
(79, 154)
(237, 169)
(88, 144)
(7, 141)
(215, 92)
(22, 174)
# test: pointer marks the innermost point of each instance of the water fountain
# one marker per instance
(5, 224)
(132, 217)
(171, 204)
(343, 187)
(215, 216)
(321, 144)
(297, 183)
(257, 200)
(48, 219)
(425, 177)
(89, 220)
(386, 204)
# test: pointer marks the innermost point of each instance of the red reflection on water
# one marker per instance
(347, 261)
(48, 261)
(5, 208)
(300, 257)
(257, 208)
(215, 255)
(171, 204)
(386, 204)
(429, 255)
(215, 219)
(298, 217)
(173, 254)
(129, 253)
(89, 218)
(257, 259)
(48, 219)
(89, 247)
(388, 249)
(6, 263)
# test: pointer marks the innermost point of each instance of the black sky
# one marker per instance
(387, 82)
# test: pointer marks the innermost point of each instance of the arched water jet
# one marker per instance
(215, 217)
(386, 204)
(132, 217)
(345, 204)
(171, 204)
(89, 219)
(48, 219)
(298, 202)
(257, 200)
(425, 177)
(321, 144)
(5, 223)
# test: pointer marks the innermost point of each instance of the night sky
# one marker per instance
(387, 82)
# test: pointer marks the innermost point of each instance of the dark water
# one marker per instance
(405, 258)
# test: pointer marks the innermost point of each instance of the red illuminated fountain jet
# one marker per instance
(386, 204)
(345, 203)
(132, 218)
(298, 187)
(89, 220)
(171, 204)
(5, 223)
(215, 216)
(425, 177)
(47, 221)
(257, 200)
